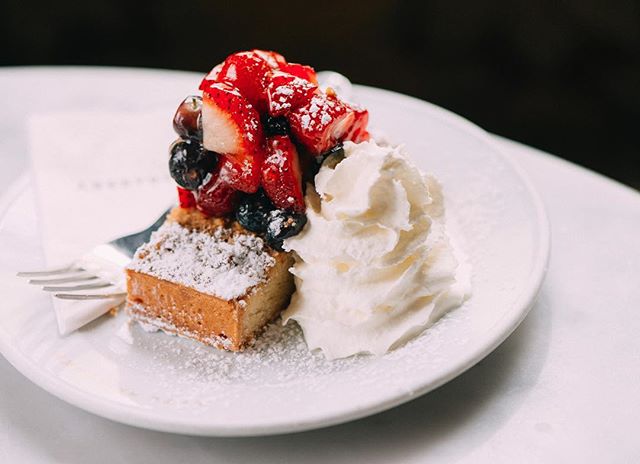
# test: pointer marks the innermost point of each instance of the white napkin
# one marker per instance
(99, 175)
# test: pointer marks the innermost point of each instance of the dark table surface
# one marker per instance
(562, 76)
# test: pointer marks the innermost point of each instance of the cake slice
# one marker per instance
(209, 279)
(246, 148)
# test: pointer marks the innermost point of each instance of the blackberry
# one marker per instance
(253, 211)
(187, 121)
(282, 225)
(190, 163)
(276, 126)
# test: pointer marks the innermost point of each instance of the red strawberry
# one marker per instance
(281, 176)
(239, 61)
(211, 77)
(287, 92)
(241, 175)
(231, 126)
(301, 70)
(186, 198)
(358, 131)
(321, 123)
(247, 71)
(274, 59)
(216, 196)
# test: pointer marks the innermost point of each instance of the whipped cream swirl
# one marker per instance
(374, 266)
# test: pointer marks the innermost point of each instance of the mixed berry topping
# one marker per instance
(252, 211)
(190, 163)
(275, 125)
(282, 225)
(216, 197)
(281, 174)
(187, 121)
(186, 198)
(248, 146)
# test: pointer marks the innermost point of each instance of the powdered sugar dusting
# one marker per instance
(202, 374)
(224, 264)
(284, 89)
(320, 113)
(306, 121)
(276, 223)
(281, 346)
(325, 119)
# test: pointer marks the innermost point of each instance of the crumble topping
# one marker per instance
(224, 264)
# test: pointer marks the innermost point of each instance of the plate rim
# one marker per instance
(146, 418)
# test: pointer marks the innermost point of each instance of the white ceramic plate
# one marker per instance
(170, 384)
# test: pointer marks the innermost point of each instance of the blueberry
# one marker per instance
(276, 126)
(190, 163)
(253, 211)
(282, 225)
(187, 120)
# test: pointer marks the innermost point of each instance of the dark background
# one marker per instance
(563, 76)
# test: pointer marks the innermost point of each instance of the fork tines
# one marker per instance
(64, 280)
(97, 296)
(73, 288)
(71, 275)
(62, 270)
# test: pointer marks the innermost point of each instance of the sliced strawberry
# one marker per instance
(186, 198)
(281, 176)
(247, 71)
(286, 92)
(358, 131)
(241, 175)
(274, 59)
(211, 77)
(302, 71)
(231, 126)
(321, 123)
(216, 197)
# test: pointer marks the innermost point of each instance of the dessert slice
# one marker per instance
(208, 279)
(216, 271)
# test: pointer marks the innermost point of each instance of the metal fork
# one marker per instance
(100, 268)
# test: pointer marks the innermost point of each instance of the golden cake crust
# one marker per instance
(182, 310)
